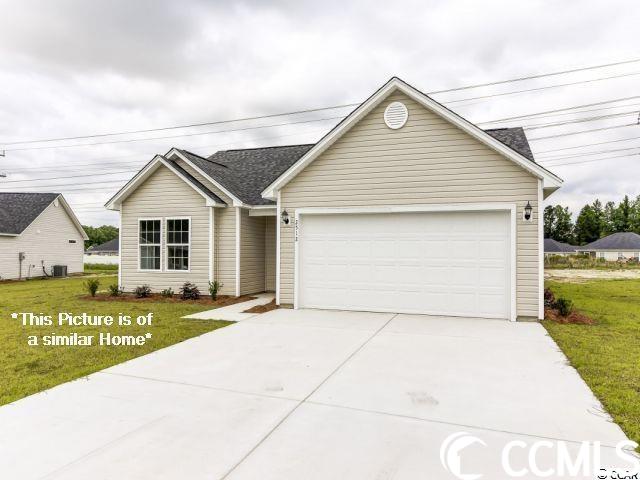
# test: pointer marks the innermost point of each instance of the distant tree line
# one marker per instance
(593, 222)
(99, 235)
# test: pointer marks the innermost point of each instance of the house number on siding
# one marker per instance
(296, 231)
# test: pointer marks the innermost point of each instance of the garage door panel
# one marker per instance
(454, 263)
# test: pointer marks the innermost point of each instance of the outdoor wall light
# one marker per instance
(527, 211)
(285, 217)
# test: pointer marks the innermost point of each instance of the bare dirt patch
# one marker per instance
(578, 276)
(267, 307)
(574, 317)
(221, 301)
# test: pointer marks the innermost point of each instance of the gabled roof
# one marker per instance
(246, 172)
(210, 197)
(19, 210)
(110, 246)
(514, 138)
(615, 241)
(550, 181)
(554, 246)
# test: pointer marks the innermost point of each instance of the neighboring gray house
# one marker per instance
(554, 247)
(617, 246)
(107, 252)
(37, 231)
(404, 206)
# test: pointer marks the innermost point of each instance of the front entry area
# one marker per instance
(456, 263)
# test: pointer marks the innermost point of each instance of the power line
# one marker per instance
(580, 120)
(582, 131)
(542, 152)
(593, 160)
(587, 154)
(69, 176)
(312, 110)
(543, 88)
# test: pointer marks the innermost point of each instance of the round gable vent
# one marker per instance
(396, 115)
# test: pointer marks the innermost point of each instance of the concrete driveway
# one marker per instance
(311, 395)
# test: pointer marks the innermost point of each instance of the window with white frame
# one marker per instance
(178, 238)
(149, 244)
(600, 254)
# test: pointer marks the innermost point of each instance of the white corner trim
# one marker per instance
(236, 201)
(278, 206)
(540, 213)
(456, 207)
(550, 180)
(121, 250)
(211, 243)
(238, 244)
(116, 201)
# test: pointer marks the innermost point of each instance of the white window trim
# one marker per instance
(138, 244)
(167, 245)
(468, 207)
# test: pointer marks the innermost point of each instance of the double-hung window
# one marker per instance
(178, 238)
(149, 244)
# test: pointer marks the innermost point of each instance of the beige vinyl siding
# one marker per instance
(270, 254)
(46, 239)
(428, 161)
(164, 195)
(224, 235)
(252, 244)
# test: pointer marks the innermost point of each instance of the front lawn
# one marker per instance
(28, 369)
(607, 354)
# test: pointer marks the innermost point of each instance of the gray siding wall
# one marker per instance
(165, 195)
(252, 251)
(46, 239)
(270, 239)
(428, 161)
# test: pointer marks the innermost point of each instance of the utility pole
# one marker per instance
(2, 154)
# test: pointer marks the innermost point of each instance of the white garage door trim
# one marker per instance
(465, 207)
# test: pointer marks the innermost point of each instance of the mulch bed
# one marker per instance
(263, 308)
(574, 317)
(221, 301)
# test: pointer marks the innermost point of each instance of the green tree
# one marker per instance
(608, 226)
(622, 216)
(588, 225)
(634, 217)
(99, 235)
(557, 223)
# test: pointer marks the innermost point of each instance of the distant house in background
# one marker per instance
(554, 247)
(108, 252)
(38, 231)
(617, 246)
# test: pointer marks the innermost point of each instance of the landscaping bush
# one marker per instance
(213, 289)
(167, 293)
(92, 285)
(564, 306)
(549, 298)
(143, 291)
(115, 290)
(189, 291)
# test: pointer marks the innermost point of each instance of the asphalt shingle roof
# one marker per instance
(616, 241)
(196, 182)
(19, 210)
(110, 246)
(554, 246)
(247, 172)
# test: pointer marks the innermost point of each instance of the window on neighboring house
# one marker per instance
(601, 254)
(149, 244)
(178, 243)
(620, 256)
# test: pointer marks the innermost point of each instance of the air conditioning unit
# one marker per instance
(59, 270)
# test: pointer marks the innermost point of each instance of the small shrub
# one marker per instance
(189, 291)
(549, 298)
(213, 289)
(564, 306)
(167, 293)
(115, 290)
(143, 291)
(92, 285)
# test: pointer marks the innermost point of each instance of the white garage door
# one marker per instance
(453, 263)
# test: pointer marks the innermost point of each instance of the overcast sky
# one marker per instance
(72, 68)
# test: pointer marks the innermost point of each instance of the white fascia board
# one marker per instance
(549, 179)
(115, 201)
(9, 235)
(73, 217)
(236, 201)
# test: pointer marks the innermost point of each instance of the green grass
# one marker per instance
(25, 370)
(92, 268)
(607, 354)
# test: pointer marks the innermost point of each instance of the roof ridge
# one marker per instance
(265, 148)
